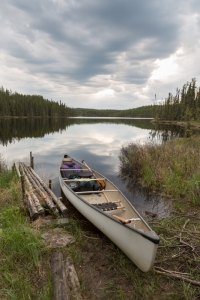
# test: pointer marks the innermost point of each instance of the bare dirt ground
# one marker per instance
(106, 273)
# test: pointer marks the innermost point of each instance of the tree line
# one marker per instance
(19, 105)
(139, 112)
(184, 106)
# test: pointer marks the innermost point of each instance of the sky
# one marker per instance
(103, 54)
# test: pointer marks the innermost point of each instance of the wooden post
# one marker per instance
(31, 161)
(50, 181)
(23, 186)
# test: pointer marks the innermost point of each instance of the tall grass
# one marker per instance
(20, 248)
(172, 167)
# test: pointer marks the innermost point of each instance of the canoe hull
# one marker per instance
(140, 250)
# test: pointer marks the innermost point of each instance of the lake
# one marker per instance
(96, 140)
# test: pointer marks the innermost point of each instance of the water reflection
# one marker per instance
(97, 141)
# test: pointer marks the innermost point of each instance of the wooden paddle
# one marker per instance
(126, 221)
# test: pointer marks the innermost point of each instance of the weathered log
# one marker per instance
(38, 205)
(39, 189)
(36, 201)
(23, 185)
(31, 208)
(17, 169)
(56, 200)
(74, 283)
(59, 279)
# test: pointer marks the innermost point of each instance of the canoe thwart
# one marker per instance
(96, 192)
(83, 179)
(126, 221)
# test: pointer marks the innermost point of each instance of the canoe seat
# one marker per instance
(106, 206)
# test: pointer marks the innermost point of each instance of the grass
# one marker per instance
(103, 270)
(21, 249)
(106, 273)
(172, 167)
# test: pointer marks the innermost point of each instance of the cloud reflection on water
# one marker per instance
(98, 144)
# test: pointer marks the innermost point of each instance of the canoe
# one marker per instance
(105, 206)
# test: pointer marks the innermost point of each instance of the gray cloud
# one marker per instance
(91, 52)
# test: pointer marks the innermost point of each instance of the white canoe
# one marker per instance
(110, 211)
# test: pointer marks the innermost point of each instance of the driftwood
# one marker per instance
(73, 280)
(59, 279)
(57, 201)
(64, 278)
(176, 276)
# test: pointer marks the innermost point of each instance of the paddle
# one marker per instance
(101, 182)
(124, 221)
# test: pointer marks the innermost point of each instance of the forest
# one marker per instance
(140, 112)
(19, 105)
(184, 106)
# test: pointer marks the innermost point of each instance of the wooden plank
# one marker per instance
(61, 289)
(73, 279)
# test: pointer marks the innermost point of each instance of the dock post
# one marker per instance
(23, 186)
(31, 161)
(50, 181)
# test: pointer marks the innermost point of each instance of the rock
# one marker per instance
(55, 239)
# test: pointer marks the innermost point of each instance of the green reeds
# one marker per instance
(172, 168)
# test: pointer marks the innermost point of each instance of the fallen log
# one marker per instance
(17, 169)
(31, 208)
(39, 189)
(36, 201)
(74, 283)
(61, 289)
(56, 200)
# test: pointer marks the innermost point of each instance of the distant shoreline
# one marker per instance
(188, 124)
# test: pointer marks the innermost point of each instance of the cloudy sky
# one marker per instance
(99, 53)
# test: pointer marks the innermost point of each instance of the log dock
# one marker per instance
(37, 195)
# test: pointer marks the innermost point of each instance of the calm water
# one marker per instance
(97, 141)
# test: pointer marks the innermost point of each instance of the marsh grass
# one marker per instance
(172, 167)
